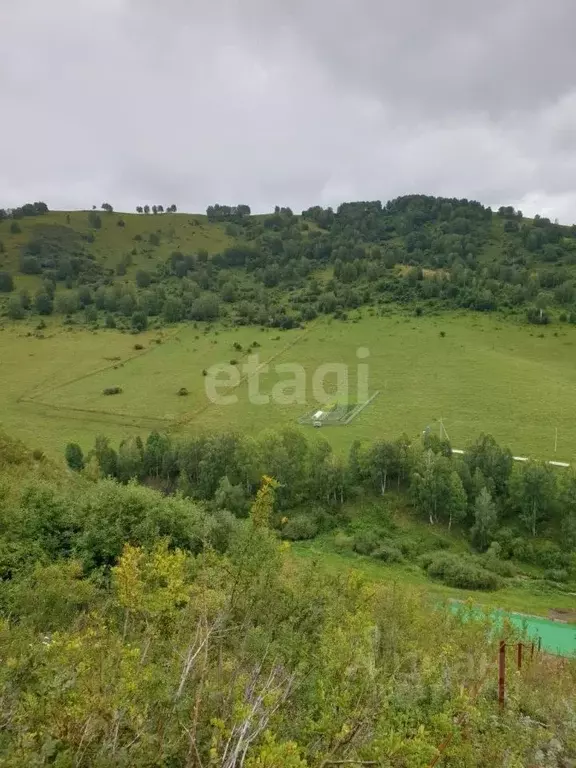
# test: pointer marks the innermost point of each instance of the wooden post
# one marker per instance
(501, 673)
(539, 644)
(519, 656)
(532, 651)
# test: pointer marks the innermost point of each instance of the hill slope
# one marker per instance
(282, 269)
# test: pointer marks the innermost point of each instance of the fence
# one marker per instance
(534, 647)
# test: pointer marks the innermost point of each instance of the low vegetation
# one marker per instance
(142, 629)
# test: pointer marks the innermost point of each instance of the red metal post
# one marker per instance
(519, 656)
(501, 673)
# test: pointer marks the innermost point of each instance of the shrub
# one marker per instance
(366, 542)
(495, 565)
(138, 347)
(139, 321)
(299, 528)
(388, 554)
(38, 454)
(182, 392)
(550, 556)
(15, 309)
(74, 457)
(15, 228)
(43, 304)
(112, 391)
(458, 571)
(6, 282)
(557, 574)
(143, 278)
(343, 542)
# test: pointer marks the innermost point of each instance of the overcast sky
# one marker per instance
(288, 102)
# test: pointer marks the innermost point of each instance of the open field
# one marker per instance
(483, 375)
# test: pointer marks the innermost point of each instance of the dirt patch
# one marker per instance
(562, 614)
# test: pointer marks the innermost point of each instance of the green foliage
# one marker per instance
(533, 494)
(139, 322)
(6, 282)
(15, 310)
(485, 520)
(143, 278)
(43, 304)
(137, 626)
(300, 528)
(74, 457)
(459, 571)
(416, 250)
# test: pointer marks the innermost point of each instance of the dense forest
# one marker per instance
(145, 629)
(282, 270)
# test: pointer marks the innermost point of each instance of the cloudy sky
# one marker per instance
(289, 102)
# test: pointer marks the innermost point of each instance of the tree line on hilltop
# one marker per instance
(283, 270)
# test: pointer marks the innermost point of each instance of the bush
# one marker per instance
(138, 347)
(6, 282)
(299, 528)
(15, 228)
(550, 556)
(74, 457)
(143, 278)
(457, 571)
(343, 542)
(112, 391)
(182, 392)
(366, 542)
(557, 574)
(495, 565)
(139, 322)
(388, 554)
(43, 304)
(15, 309)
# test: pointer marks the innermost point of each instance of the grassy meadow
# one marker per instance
(477, 372)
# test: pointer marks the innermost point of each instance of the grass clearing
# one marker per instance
(514, 597)
(483, 375)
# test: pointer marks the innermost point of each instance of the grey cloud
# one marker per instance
(292, 103)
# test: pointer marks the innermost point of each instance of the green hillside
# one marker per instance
(281, 269)
(267, 511)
